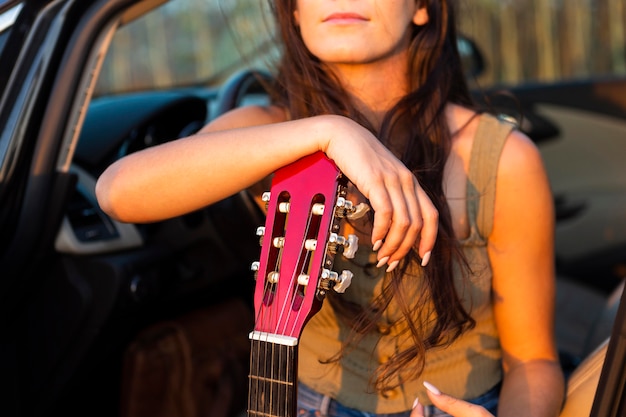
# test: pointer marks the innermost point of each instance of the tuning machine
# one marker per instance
(346, 209)
(349, 246)
(337, 282)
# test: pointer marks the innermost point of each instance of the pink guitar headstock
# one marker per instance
(298, 244)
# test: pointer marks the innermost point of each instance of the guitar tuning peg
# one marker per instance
(317, 209)
(359, 211)
(339, 283)
(255, 268)
(327, 279)
(351, 246)
(303, 279)
(342, 207)
(260, 232)
(343, 281)
(266, 197)
(273, 277)
(345, 208)
(284, 207)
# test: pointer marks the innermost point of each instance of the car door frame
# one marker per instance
(50, 61)
(41, 112)
(609, 400)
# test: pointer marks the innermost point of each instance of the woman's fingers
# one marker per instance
(403, 215)
(399, 222)
(454, 406)
(430, 225)
(418, 409)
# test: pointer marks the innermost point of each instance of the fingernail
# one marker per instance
(382, 261)
(392, 266)
(430, 387)
(418, 409)
(416, 402)
(426, 258)
(377, 245)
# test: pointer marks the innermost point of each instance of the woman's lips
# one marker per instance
(344, 18)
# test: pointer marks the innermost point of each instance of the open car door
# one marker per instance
(50, 52)
(609, 398)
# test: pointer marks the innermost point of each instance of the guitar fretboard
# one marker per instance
(273, 379)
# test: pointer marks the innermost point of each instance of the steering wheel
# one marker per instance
(237, 217)
(237, 86)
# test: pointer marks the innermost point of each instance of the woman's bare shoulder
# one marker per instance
(247, 116)
(520, 155)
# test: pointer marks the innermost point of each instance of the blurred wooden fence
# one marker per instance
(543, 40)
(522, 40)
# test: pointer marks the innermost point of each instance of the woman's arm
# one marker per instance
(245, 146)
(522, 256)
(521, 251)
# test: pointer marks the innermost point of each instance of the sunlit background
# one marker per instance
(201, 42)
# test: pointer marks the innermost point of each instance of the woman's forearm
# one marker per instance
(187, 174)
(533, 389)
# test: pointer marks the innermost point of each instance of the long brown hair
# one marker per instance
(436, 78)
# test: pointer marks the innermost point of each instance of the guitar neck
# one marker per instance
(273, 378)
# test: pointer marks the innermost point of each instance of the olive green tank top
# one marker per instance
(468, 367)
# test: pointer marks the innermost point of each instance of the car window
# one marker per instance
(7, 18)
(192, 42)
(187, 43)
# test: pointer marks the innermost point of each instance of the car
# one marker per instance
(81, 294)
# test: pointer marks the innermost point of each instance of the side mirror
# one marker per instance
(471, 58)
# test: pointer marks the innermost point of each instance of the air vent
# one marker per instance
(88, 222)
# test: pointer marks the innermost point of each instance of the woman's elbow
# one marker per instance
(108, 192)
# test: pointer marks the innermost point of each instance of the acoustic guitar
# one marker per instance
(298, 244)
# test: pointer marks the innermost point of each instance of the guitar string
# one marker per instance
(288, 375)
(288, 301)
(267, 408)
(270, 345)
(293, 280)
(259, 406)
(308, 257)
(261, 345)
(286, 378)
(252, 383)
(275, 384)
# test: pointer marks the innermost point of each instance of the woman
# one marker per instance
(444, 294)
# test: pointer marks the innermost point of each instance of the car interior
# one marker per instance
(105, 284)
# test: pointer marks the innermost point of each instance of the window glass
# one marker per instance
(186, 43)
(7, 18)
(200, 42)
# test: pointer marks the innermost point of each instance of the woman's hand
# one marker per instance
(403, 213)
(453, 406)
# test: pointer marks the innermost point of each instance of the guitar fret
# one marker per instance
(260, 413)
(272, 380)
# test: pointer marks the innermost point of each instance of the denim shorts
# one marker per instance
(314, 404)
